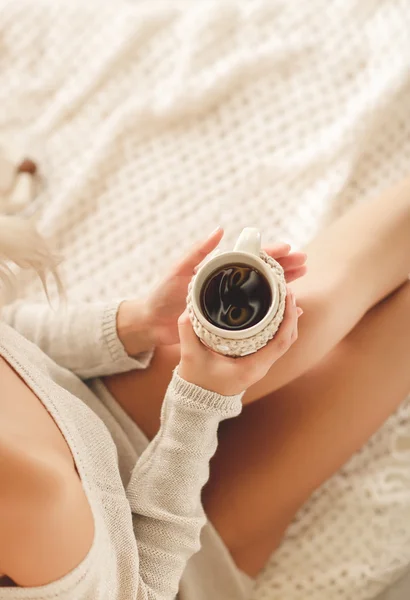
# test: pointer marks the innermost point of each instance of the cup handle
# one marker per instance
(249, 241)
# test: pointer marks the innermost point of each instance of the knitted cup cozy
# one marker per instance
(247, 345)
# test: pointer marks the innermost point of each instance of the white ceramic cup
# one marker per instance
(246, 252)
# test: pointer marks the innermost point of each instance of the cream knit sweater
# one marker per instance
(147, 523)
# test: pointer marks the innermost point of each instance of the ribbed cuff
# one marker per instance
(113, 343)
(189, 393)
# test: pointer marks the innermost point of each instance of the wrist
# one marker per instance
(227, 405)
(134, 327)
(223, 387)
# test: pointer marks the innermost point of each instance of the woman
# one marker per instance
(79, 519)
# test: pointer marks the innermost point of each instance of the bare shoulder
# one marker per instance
(46, 525)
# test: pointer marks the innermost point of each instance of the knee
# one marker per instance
(404, 291)
(332, 308)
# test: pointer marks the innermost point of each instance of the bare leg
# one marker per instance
(357, 261)
(280, 449)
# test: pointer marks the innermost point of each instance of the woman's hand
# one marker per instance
(226, 375)
(143, 325)
(168, 300)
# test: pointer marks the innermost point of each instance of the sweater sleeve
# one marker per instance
(81, 338)
(165, 488)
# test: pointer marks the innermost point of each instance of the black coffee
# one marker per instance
(235, 297)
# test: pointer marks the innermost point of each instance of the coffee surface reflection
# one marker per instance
(235, 297)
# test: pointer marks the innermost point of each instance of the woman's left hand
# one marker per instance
(143, 325)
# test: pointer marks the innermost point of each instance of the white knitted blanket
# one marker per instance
(153, 122)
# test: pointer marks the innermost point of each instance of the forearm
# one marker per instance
(85, 338)
(165, 487)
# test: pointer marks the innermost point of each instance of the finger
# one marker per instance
(282, 340)
(293, 260)
(295, 273)
(198, 253)
(210, 255)
(295, 332)
(187, 336)
(278, 250)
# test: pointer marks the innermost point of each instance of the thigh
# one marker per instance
(140, 393)
(280, 449)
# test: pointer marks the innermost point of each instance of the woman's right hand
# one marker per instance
(226, 375)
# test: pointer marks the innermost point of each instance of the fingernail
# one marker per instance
(293, 299)
(300, 311)
(215, 231)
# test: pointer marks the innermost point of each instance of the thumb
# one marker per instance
(187, 336)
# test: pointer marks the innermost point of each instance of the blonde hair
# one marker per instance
(22, 245)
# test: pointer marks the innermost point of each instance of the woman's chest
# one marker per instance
(25, 420)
